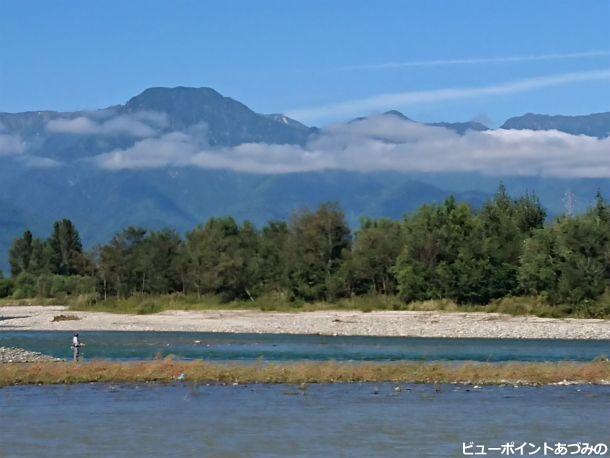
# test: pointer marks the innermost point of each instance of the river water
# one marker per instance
(349, 420)
(275, 347)
(343, 420)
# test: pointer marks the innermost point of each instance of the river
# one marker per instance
(276, 347)
(350, 420)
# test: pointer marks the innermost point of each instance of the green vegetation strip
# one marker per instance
(504, 255)
(150, 304)
(167, 371)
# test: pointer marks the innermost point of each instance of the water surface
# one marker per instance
(350, 420)
(282, 347)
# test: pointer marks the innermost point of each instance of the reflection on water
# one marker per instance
(367, 420)
(270, 347)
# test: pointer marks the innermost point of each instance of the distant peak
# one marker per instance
(461, 127)
(279, 117)
(393, 113)
(593, 125)
(178, 90)
(157, 94)
(283, 119)
(396, 113)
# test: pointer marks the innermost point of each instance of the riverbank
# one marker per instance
(383, 323)
(168, 371)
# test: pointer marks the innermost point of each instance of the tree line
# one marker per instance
(441, 251)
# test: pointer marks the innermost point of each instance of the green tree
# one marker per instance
(29, 255)
(272, 256)
(370, 268)
(223, 258)
(318, 243)
(157, 264)
(505, 225)
(20, 254)
(539, 268)
(569, 262)
(119, 267)
(434, 236)
(66, 250)
(41, 257)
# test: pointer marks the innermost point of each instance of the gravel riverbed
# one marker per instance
(19, 355)
(383, 323)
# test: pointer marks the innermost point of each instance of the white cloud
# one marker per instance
(79, 125)
(14, 147)
(476, 60)
(38, 161)
(402, 100)
(384, 143)
(10, 144)
(140, 125)
(263, 158)
(171, 149)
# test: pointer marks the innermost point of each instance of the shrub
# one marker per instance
(59, 286)
(25, 286)
(594, 309)
(44, 285)
(73, 285)
(6, 287)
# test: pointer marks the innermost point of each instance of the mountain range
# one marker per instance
(593, 125)
(50, 168)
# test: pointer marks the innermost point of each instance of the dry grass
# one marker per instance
(167, 370)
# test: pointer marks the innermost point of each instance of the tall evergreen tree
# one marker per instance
(66, 250)
(505, 225)
(20, 254)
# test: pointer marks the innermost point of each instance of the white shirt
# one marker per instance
(75, 342)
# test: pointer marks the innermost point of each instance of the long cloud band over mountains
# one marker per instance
(383, 143)
(130, 137)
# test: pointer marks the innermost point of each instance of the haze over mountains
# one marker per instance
(174, 157)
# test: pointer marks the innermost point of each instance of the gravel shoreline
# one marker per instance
(383, 323)
(19, 355)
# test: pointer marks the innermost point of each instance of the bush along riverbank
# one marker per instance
(150, 304)
(169, 371)
(146, 304)
(449, 253)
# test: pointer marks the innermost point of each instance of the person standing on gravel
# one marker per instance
(76, 344)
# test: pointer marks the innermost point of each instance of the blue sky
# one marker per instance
(310, 58)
